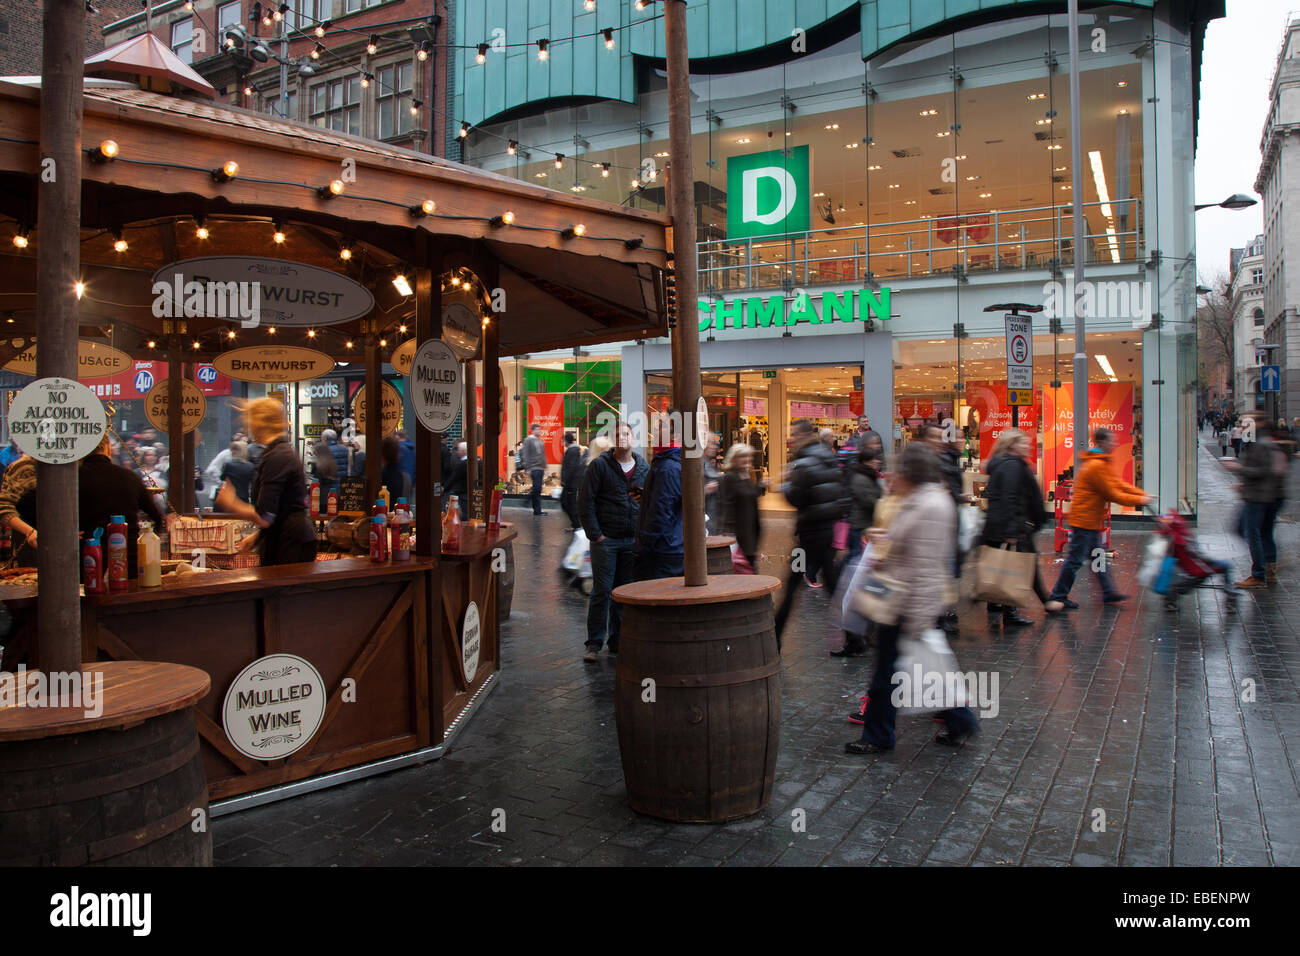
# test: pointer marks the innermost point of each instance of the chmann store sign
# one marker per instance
(778, 312)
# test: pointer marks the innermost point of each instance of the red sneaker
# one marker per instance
(860, 717)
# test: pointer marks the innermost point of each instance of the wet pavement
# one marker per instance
(1126, 735)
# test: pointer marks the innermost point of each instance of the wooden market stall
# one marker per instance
(177, 186)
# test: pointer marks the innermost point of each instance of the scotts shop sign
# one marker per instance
(774, 193)
(772, 312)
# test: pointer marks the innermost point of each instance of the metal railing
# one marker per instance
(961, 245)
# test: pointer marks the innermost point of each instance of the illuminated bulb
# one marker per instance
(365, 80)
(455, 282)
(422, 53)
(347, 344)
(428, 206)
(80, 289)
(345, 253)
(559, 160)
(481, 56)
(512, 147)
(464, 130)
(230, 334)
(317, 51)
(542, 50)
(320, 30)
(119, 245)
(278, 236)
(196, 344)
(311, 333)
(248, 91)
(402, 329)
(336, 187)
(609, 37)
(604, 170)
(271, 330)
(152, 344)
(579, 230)
(415, 107)
(508, 217)
(589, 5)
(108, 149)
(20, 240)
(372, 47)
(383, 343)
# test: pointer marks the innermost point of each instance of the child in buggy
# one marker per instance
(1185, 566)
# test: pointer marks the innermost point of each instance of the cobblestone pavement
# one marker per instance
(1134, 712)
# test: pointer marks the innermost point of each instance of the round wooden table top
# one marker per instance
(131, 691)
(719, 541)
(720, 589)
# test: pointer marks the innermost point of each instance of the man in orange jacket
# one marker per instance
(1095, 487)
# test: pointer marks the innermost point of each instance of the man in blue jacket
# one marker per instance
(659, 543)
(608, 509)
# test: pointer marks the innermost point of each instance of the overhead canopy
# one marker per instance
(557, 288)
(147, 56)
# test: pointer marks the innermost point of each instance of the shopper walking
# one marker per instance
(949, 459)
(533, 457)
(1095, 487)
(864, 492)
(815, 486)
(238, 470)
(571, 472)
(660, 538)
(738, 502)
(920, 540)
(1235, 436)
(712, 482)
(609, 509)
(1262, 472)
(865, 435)
(1015, 510)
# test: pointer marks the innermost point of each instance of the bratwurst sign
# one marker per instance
(56, 420)
(270, 363)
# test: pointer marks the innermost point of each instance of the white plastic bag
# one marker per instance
(579, 553)
(971, 523)
(851, 620)
(926, 675)
(1157, 548)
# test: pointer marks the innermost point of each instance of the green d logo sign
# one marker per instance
(768, 193)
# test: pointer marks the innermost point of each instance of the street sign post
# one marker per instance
(1020, 364)
(1270, 378)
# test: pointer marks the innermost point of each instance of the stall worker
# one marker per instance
(104, 490)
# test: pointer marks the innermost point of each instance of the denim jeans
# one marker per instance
(537, 474)
(878, 725)
(650, 567)
(1258, 532)
(1083, 541)
(818, 556)
(611, 566)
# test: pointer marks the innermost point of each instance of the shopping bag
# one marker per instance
(852, 621)
(840, 536)
(1165, 578)
(971, 521)
(926, 676)
(1157, 548)
(579, 549)
(739, 563)
(879, 598)
(1004, 576)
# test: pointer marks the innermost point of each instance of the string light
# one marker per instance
(230, 334)
(543, 50)
(383, 343)
(512, 147)
(20, 238)
(347, 344)
(482, 53)
(280, 12)
(105, 151)
(422, 53)
(119, 244)
(321, 27)
(151, 343)
(577, 229)
(464, 130)
(365, 80)
(372, 46)
(226, 172)
(589, 5)
(80, 289)
(559, 160)
(317, 51)
(402, 329)
(425, 208)
(345, 252)
(415, 107)
(278, 235)
(196, 343)
(604, 170)
(335, 188)
(271, 330)
(608, 33)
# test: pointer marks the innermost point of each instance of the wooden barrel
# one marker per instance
(718, 547)
(121, 793)
(506, 583)
(699, 745)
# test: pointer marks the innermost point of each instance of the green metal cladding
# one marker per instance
(514, 76)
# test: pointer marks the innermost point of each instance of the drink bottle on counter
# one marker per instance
(381, 509)
(149, 559)
(93, 563)
(315, 498)
(401, 533)
(451, 524)
(332, 503)
(117, 554)
(378, 540)
(494, 512)
(383, 495)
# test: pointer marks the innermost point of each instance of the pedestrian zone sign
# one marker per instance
(1270, 378)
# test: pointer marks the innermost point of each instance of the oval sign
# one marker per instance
(471, 640)
(193, 406)
(274, 706)
(392, 410)
(94, 360)
(402, 356)
(436, 390)
(273, 363)
(56, 420)
(251, 291)
(462, 329)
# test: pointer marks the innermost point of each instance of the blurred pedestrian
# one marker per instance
(738, 502)
(238, 470)
(815, 486)
(609, 509)
(458, 482)
(712, 482)
(660, 544)
(391, 475)
(920, 540)
(325, 466)
(533, 458)
(1015, 510)
(1235, 436)
(949, 459)
(1095, 488)
(571, 472)
(1262, 472)
(864, 468)
(865, 434)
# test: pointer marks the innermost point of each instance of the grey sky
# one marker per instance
(1240, 53)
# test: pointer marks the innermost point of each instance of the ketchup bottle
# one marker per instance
(117, 554)
(93, 564)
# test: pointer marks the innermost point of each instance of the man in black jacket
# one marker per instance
(816, 488)
(571, 473)
(608, 505)
(104, 490)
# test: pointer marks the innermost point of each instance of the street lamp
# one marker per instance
(1234, 202)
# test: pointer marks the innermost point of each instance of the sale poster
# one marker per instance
(988, 402)
(547, 410)
(503, 446)
(1110, 405)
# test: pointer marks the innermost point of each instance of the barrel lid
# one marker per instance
(721, 589)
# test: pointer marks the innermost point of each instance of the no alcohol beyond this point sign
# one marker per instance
(436, 385)
(56, 420)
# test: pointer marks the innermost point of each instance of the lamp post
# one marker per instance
(1235, 202)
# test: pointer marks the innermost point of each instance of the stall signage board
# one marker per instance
(313, 432)
(252, 291)
(273, 363)
(1020, 353)
(193, 406)
(436, 391)
(57, 420)
(392, 409)
(135, 381)
(274, 707)
(462, 329)
(352, 496)
(471, 642)
(402, 357)
(94, 360)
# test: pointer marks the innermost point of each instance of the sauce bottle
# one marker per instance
(384, 497)
(315, 498)
(378, 540)
(149, 559)
(117, 553)
(381, 509)
(93, 564)
(332, 503)
(451, 525)
(401, 533)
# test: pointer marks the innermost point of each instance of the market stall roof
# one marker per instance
(560, 286)
(148, 57)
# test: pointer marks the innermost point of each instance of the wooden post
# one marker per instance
(190, 448)
(492, 388)
(175, 425)
(686, 335)
(374, 418)
(58, 267)
(428, 445)
(470, 435)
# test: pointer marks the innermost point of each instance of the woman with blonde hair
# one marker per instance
(1015, 511)
(738, 502)
(279, 495)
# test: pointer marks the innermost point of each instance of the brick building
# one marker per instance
(20, 32)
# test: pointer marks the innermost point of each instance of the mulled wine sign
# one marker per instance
(274, 706)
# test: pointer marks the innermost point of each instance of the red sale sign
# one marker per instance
(988, 402)
(547, 410)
